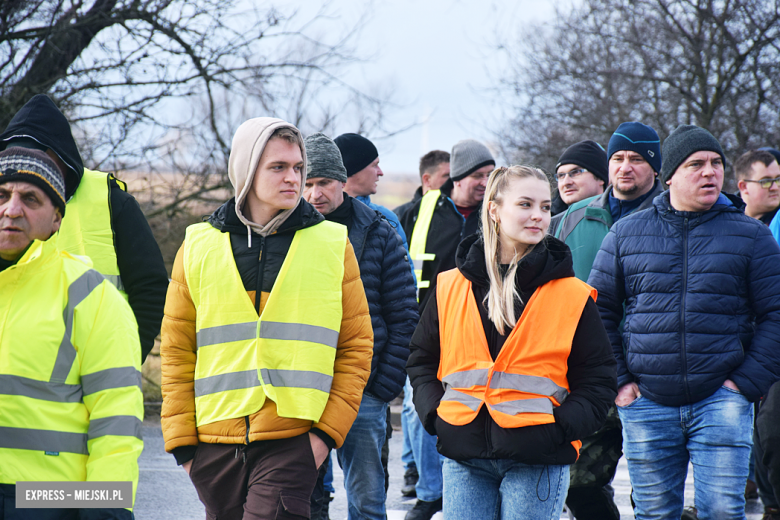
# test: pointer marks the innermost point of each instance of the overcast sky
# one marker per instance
(438, 57)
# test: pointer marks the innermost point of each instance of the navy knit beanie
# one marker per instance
(589, 155)
(685, 141)
(639, 138)
(357, 152)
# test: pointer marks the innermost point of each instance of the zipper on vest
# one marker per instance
(259, 287)
(246, 439)
(682, 309)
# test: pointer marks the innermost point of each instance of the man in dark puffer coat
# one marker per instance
(701, 286)
(392, 303)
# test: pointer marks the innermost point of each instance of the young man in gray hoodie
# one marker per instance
(267, 338)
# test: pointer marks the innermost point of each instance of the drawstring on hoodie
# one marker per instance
(249, 236)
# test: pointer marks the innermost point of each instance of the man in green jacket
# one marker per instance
(634, 155)
(634, 160)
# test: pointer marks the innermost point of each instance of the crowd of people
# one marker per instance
(538, 333)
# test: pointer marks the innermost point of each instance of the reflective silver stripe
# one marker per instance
(529, 384)
(536, 405)
(25, 387)
(297, 379)
(299, 332)
(467, 378)
(453, 395)
(77, 292)
(225, 382)
(110, 378)
(43, 440)
(115, 280)
(226, 333)
(124, 425)
(418, 264)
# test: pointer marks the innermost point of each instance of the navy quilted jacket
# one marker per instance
(702, 301)
(391, 295)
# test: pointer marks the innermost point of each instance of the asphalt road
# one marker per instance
(166, 493)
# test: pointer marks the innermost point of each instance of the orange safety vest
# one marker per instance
(528, 378)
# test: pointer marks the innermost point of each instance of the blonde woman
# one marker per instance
(510, 362)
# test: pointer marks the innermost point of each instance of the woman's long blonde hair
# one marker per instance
(503, 294)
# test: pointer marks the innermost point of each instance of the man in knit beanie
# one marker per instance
(451, 212)
(633, 157)
(28, 175)
(582, 172)
(71, 406)
(361, 160)
(689, 295)
(390, 292)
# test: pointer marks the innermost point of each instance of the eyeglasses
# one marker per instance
(573, 174)
(767, 183)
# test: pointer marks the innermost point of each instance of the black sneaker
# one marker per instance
(423, 510)
(410, 481)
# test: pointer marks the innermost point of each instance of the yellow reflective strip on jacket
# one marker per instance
(86, 228)
(70, 395)
(419, 237)
(287, 354)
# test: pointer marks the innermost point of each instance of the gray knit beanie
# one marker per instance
(683, 142)
(324, 158)
(467, 157)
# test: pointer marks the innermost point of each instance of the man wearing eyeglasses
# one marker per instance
(581, 173)
(758, 179)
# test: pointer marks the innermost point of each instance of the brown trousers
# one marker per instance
(260, 481)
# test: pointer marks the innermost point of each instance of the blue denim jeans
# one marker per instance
(407, 415)
(361, 459)
(715, 435)
(423, 445)
(493, 489)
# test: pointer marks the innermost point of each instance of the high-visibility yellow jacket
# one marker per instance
(86, 228)
(288, 353)
(266, 420)
(70, 384)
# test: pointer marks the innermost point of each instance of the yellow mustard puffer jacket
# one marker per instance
(179, 352)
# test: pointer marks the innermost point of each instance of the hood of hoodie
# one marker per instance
(248, 145)
(40, 120)
(549, 260)
(302, 216)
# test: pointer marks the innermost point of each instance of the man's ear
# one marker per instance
(742, 185)
(57, 221)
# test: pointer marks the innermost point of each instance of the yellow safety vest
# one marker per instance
(288, 353)
(420, 237)
(70, 383)
(86, 228)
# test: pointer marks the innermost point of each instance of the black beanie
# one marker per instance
(683, 142)
(357, 152)
(589, 155)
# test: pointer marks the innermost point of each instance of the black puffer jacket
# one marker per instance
(138, 256)
(448, 228)
(391, 296)
(591, 370)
